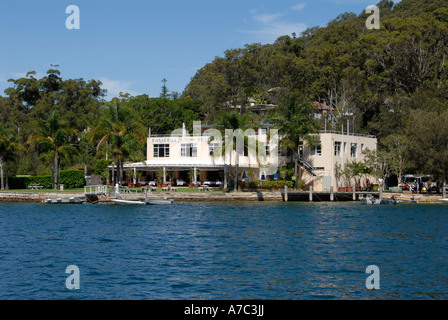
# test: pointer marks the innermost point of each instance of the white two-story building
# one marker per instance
(181, 158)
(331, 155)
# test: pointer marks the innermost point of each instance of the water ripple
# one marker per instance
(223, 251)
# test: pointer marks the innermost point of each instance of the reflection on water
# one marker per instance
(223, 251)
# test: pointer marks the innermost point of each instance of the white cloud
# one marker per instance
(269, 26)
(299, 7)
(114, 87)
(267, 18)
(17, 75)
(274, 30)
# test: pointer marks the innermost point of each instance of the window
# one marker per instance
(353, 147)
(161, 150)
(188, 150)
(337, 148)
(317, 150)
(215, 148)
(267, 147)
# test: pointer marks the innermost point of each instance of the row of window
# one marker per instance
(317, 150)
(189, 150)
(353, 149)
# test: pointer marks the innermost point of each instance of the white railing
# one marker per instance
(345, 133)
(98, 189)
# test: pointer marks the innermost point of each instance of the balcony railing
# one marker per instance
(345, 133)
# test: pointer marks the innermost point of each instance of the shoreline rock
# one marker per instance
(271, 196)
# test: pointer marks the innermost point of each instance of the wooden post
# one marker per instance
(225, 176)
(195, 173)
(331, 194)
(443, 190)
(311, 193)
(354, 193)
(381, 190)
(295, 174)
(235, 188)
(285, 199)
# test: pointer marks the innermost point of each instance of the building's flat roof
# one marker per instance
(345, 133)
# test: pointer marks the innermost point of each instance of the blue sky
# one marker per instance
(131, 45)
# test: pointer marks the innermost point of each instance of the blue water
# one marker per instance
(224, 251)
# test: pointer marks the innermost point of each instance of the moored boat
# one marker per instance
(130, 202)
(71, 200)
(370, 201)
(159, 201)
(390, 201)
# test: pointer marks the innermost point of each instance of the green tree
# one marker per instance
(52, 141)
(164, 93)
(295, 122)
(396, 149)
(237, 123)
(427, 141)
(119, 126)
(31, 99)
(10, 150)
(164, 115)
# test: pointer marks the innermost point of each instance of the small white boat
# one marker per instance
(159, 201)
(445, 200)
(71, 200)
(390, 201)
(370, 201)
(131, 202)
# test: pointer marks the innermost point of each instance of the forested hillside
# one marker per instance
(392, 81)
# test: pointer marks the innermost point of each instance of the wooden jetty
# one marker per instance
(288, 195)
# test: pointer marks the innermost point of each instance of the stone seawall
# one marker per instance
(177, 196)
(38, 197)
(217, 196)
(34, 197)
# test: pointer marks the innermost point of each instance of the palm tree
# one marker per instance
(53, 138)
(125, 135)
(9, 151)
(295, 122)
(237, 123)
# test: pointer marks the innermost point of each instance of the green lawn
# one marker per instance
(133, 190)
(77, 190)
(81, 190)
(185, 189)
